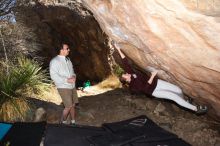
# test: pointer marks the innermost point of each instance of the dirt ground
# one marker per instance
(97, 107)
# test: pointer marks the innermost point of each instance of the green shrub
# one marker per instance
(25, 78)
(118, 71)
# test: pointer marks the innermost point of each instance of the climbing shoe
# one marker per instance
(189, 100)
(201, 109)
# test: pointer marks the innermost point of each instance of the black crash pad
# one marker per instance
(138, 131)
(24, 134)
(64, 135)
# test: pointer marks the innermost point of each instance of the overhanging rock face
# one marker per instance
(179, 37)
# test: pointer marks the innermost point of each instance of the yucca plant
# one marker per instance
(24, 79)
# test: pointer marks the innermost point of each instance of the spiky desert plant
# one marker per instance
(25, 78)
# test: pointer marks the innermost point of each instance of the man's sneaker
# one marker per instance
(64, 122)
(73, 123)
(201, 109)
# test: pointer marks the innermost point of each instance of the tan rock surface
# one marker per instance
(179, 37)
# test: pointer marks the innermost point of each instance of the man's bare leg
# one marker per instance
(66, 112)
(72, 113)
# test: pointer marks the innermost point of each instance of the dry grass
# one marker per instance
(51, 95)
(111, 82)
(15, 109)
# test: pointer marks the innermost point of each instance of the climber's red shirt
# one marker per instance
(139, 81)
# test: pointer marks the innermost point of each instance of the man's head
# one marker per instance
(64, 49)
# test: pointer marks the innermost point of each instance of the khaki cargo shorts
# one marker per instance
(69, 96)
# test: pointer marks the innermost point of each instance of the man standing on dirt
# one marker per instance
(62, 73)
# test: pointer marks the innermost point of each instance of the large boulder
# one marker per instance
(179, 37)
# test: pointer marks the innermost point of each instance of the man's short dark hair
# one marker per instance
(62, 44)
(60, 47)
